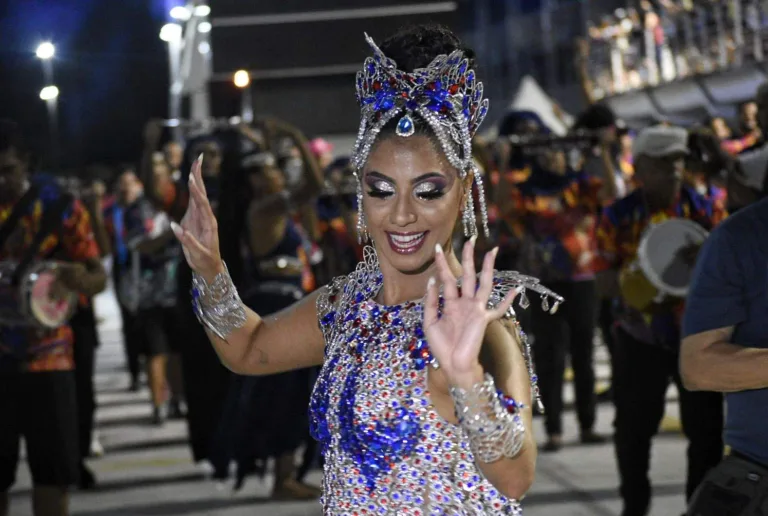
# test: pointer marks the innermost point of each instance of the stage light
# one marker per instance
(242, 79)
(204, 27)
(45, 50)
(204, 47)
(202, 10)
(49, 93)
(180, 13)
(170, 32)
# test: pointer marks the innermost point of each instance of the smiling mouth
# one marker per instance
(406, 243)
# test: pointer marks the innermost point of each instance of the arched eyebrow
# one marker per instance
(428, 175)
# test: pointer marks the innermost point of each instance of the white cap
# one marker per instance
(660, 140)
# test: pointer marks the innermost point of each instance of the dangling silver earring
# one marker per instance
(483, 203)
(470, 222)
(362, 231)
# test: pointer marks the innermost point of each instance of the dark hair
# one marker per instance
(11, 137)
(413, 47)
(597, 116)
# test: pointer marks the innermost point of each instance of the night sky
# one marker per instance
(110, 66)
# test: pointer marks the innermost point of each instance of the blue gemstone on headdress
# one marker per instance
(405, 126)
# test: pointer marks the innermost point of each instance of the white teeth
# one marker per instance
(406, 240)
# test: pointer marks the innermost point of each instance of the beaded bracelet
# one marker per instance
(218, 306)
(491, 420)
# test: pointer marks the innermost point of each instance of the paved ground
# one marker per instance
(147, 471)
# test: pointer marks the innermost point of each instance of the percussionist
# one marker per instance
(648, 331)
(37, 384)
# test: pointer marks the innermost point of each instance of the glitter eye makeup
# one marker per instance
(378, 188)
(432, 189)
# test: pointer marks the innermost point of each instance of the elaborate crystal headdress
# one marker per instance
(445, 94)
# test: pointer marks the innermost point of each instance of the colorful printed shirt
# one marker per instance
(618, 237)
(154, 280)
(556, 226)
(31, 350)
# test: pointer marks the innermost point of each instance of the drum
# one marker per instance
(660, 269)
(29, 303)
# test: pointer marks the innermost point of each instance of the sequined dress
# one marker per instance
(387, 450)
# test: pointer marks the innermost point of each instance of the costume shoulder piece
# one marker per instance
(342, 291)
(506, 281)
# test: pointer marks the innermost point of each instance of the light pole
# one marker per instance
(242, 80)
(50, 94)
(171, 33)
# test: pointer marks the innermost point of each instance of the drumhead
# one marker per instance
(43, 310)
(659, 254)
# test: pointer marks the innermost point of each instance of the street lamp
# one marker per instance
(202, 11)
(242, 80)
(204, 27)
(172, 33)
(45, 50)
(49, 93)
(180, 13)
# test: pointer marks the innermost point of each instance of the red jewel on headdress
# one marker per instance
(392, 81)
(431, 86)
(376, 86)
(404, 95)
(453, 89)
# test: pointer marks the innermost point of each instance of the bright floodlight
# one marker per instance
(180, 13)
(204, 47)
(204, 27)
(170, 32)
(202, 10)
(49, 93)
(45, 50)
(242, 79)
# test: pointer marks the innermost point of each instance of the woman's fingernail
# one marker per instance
(200, 158)
(438, 249)
(177, 230)
(495, 251)
(473, 240)
(431, 283)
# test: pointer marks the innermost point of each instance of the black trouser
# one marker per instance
(641, 375)
(570, 329)
(83, 326)
(605, 320)
(131, 342)
(205, 398)
(41, 408)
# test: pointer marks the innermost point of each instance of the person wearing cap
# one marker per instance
(648, 334)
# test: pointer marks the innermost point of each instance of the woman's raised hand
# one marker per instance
(456, 337)
(199, 231)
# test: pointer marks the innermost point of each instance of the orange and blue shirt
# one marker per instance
(619, 232)
(560, 219)
(32, 350)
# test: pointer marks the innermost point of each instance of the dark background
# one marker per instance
(110, 67)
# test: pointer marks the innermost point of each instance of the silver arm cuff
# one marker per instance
(490, 419)
(218, 306)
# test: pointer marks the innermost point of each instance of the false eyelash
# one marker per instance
(431, 196)
(379, 194)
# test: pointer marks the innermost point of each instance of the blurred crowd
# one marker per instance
(656, 41)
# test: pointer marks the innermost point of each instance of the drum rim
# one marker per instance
(645, 264)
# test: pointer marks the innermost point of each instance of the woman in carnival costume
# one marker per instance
(423, 404)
